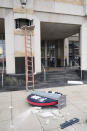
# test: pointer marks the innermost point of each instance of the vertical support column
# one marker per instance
(37, 46)
(85, 6)
(66, 51)
(9, 40)
(83, 44)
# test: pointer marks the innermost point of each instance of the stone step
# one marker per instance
(53, 79)
(62, 76)
(58, 78)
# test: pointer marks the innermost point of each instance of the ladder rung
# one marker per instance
(29, 60)
(28, 52)
(29, 76)
(30, 70)
(28, 38)
(28, 47)
(29, 86)
(30, 81)
(29, 66)
(28, 42)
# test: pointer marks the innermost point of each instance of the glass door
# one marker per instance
(51, 54)
(48, 53)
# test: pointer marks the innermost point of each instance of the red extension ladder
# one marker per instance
(29, 68)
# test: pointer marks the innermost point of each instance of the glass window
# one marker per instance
(21, 22)
(74, 57)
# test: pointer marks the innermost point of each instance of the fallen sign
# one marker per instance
(75, 82)
(39, 98)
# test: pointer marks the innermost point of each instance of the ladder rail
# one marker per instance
(32, 62)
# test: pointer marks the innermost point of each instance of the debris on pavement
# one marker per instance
(69, 123)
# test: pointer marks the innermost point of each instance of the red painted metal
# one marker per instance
(42, 104)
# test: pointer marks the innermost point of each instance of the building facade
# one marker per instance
(55, 22)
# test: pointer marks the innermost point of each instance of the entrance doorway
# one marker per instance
(53, 47)
(48, 53)
(52, 53)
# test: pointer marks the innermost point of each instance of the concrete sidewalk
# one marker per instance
(17, 115)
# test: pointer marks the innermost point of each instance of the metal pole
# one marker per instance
(2, 79)
(81, 74)
(44, 74)
(3, 61)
